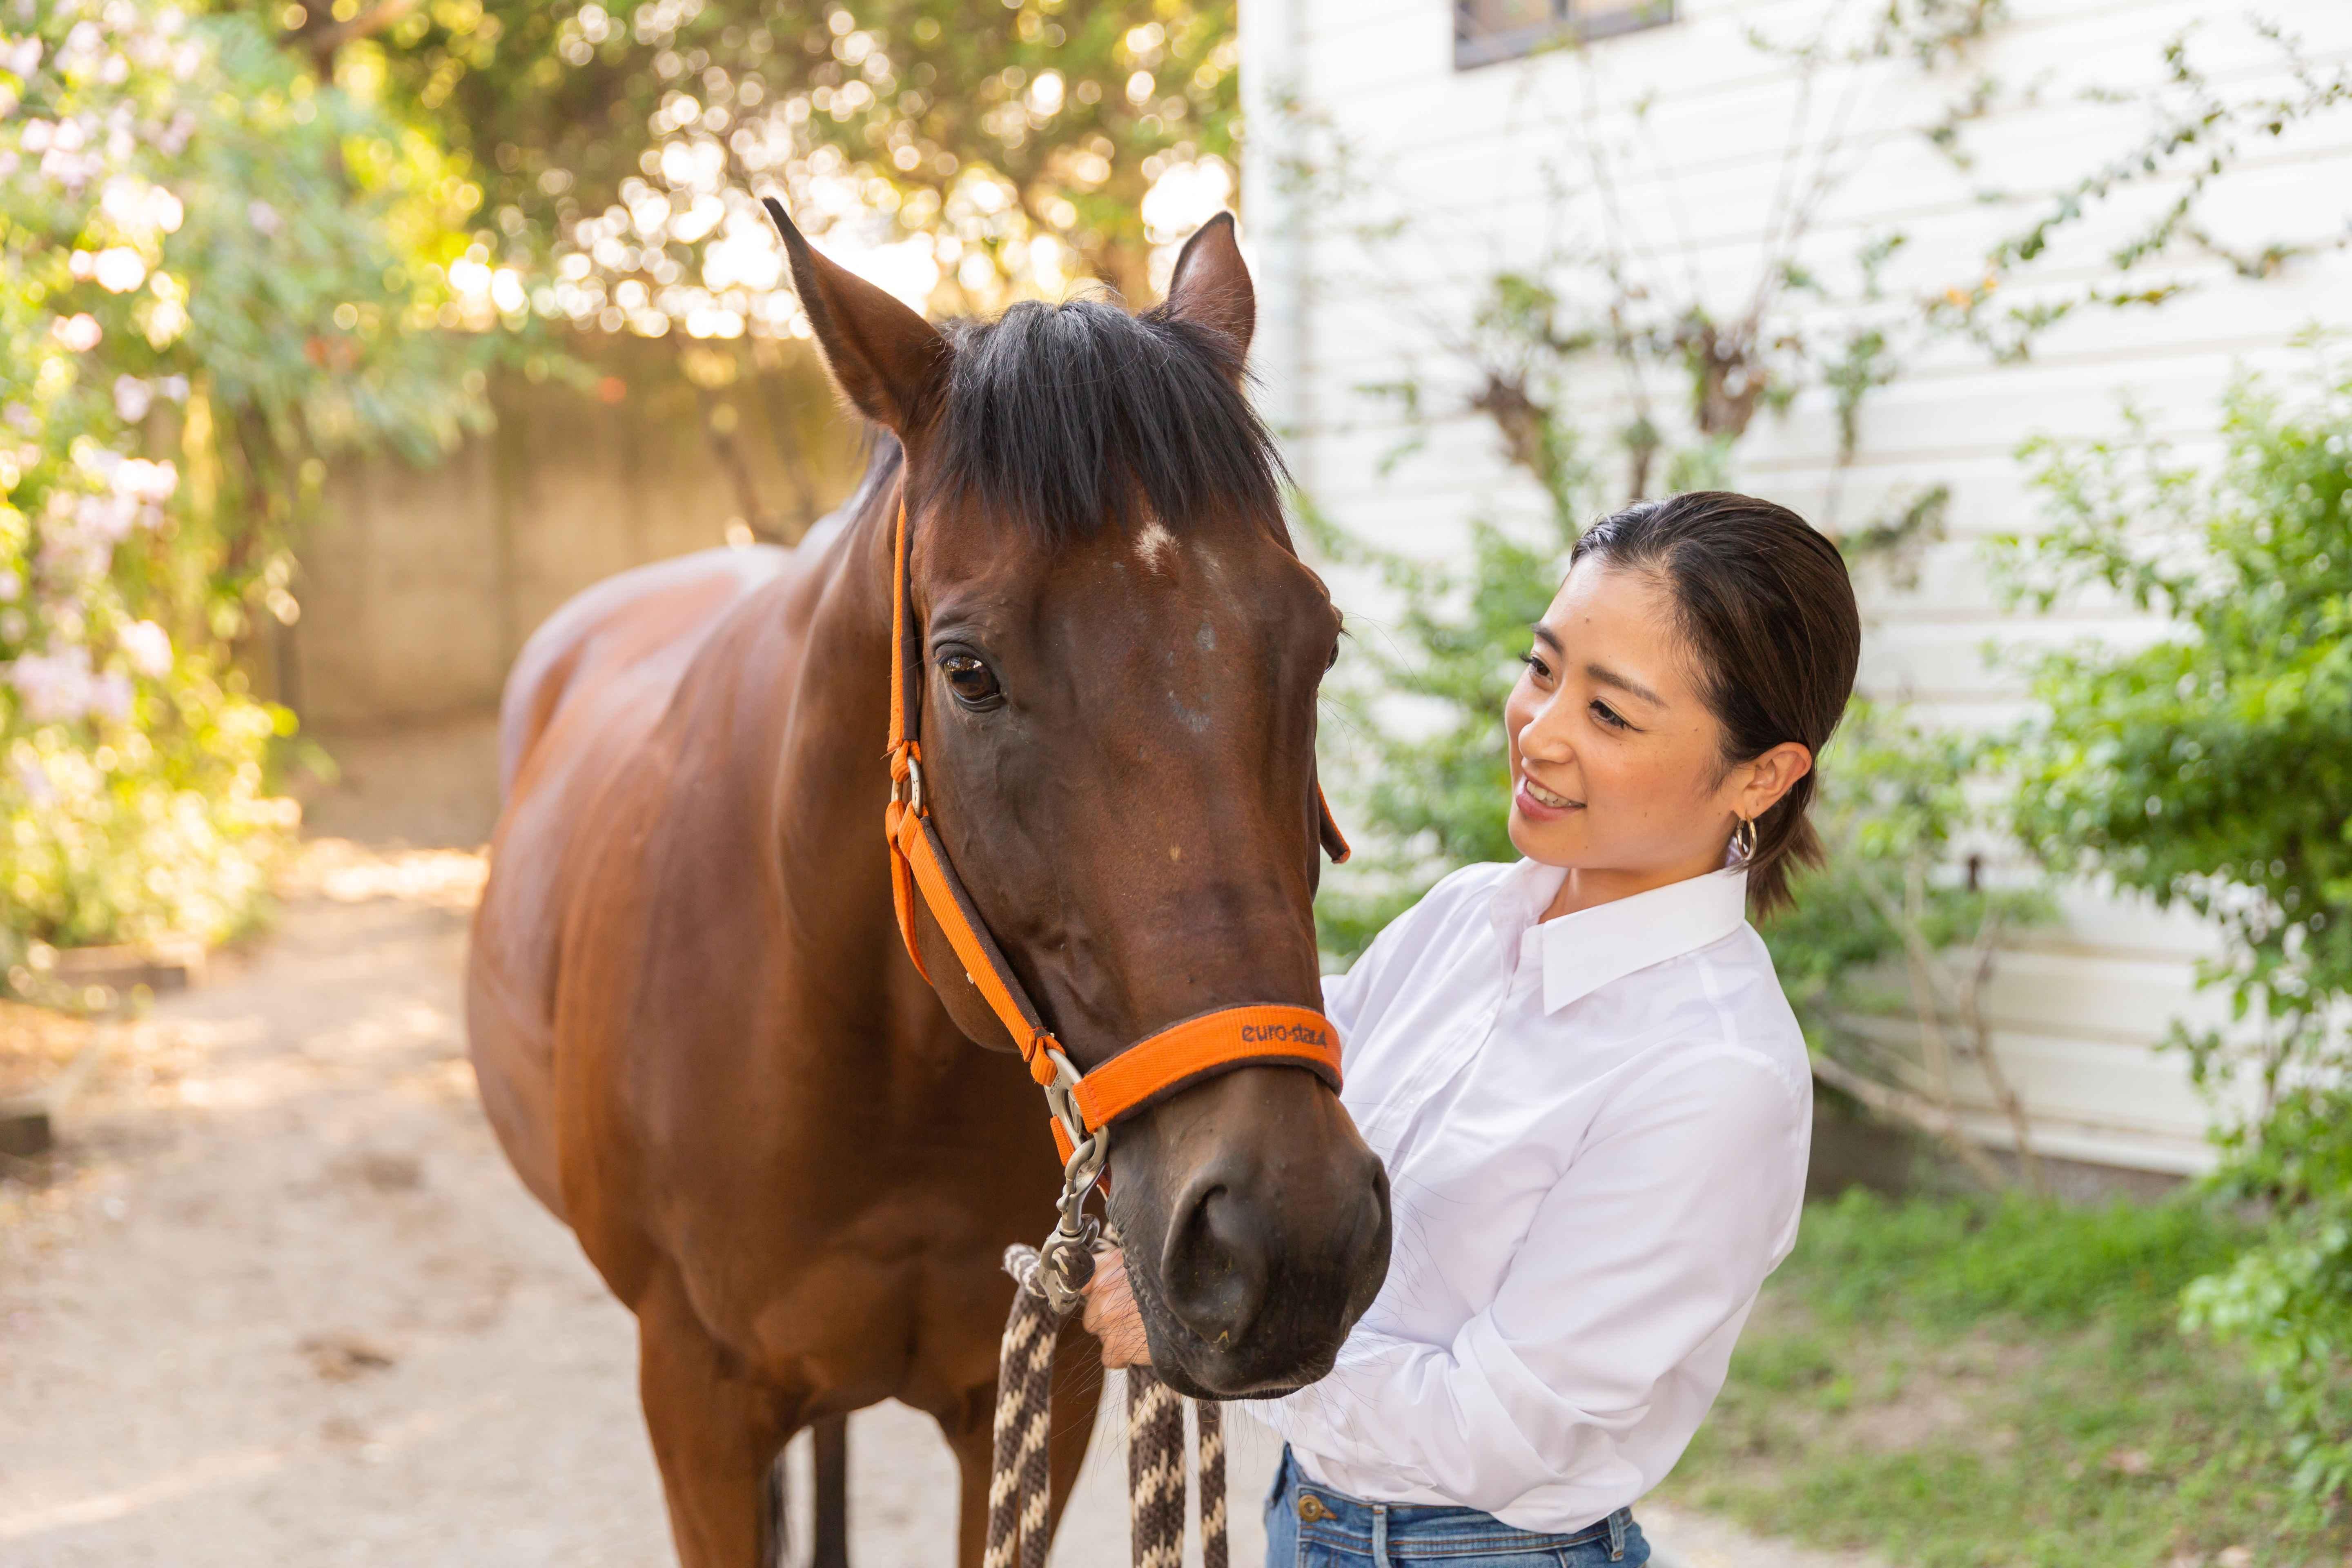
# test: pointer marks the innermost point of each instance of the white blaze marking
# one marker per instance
(1153, 545)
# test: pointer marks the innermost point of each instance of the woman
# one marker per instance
(1591, 1096)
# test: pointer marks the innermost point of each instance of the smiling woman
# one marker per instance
(1684, 677)
(1579, 1071)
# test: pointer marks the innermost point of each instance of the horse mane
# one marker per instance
(1061, 416)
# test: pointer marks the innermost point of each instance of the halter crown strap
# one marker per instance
(1177, 1056)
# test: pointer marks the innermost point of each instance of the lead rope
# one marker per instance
(1019, 1481)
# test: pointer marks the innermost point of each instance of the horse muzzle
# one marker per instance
(1257, 1234)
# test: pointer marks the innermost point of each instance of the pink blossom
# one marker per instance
(109, 696)
(119, 269)
(141, 481)
(133, 398)
(35, 778)
(149, 647)
(78, 333)
(53, 686)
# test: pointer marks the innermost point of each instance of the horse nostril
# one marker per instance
(1212, 1274)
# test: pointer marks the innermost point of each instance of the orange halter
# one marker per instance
(1182, 1054)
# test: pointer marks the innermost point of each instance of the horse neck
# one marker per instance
(833, 776)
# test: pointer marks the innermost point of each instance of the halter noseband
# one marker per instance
(1083, 1106)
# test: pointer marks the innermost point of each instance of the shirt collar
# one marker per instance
(1585, 950)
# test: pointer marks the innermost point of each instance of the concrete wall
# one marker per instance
(1463, 154)
(420, 585)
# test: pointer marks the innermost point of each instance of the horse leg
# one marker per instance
(970, 1431)
(716, 1435)
(830, 1542)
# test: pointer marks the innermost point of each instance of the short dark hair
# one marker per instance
(1765, 601)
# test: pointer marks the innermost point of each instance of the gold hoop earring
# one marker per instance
(1743, 840)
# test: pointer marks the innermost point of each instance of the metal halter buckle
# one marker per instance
(1066, 1261)
(911, 788)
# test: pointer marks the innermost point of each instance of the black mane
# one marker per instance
(1059, 416)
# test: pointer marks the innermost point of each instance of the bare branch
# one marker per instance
(1914, 1110)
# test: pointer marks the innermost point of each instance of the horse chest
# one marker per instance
(901, 1298)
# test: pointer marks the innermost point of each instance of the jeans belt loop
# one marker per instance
(1380, 1536)
(1617, 1536)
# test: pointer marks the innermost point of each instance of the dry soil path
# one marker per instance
(283, 1303)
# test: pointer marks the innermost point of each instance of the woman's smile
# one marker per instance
(1543, 805)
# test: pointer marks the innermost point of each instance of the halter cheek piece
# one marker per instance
(1083, 1106)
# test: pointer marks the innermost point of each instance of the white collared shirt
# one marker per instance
(1595, 1130)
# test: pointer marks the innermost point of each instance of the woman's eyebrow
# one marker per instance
(1601, 674)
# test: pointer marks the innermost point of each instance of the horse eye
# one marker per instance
(1333, 662)
(973, 682)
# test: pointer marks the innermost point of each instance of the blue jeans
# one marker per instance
(1311, 1526)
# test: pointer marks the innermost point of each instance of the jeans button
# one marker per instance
(1311, 1508)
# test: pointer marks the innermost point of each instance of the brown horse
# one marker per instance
(698, 1034)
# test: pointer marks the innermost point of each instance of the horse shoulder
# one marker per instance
(578, 712)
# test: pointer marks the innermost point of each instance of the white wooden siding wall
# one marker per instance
(1463, 153)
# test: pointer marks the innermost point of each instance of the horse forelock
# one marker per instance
(1059, 418)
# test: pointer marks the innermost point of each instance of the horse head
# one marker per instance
(1119, 656)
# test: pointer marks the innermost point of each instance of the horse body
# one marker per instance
(705, 1048)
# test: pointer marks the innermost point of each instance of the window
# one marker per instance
(1486, 31)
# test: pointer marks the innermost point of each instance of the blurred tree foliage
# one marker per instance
(212, 269)
(984, 128)
(2212, 769)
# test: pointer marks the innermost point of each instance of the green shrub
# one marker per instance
(212, 270)
(2212, 769)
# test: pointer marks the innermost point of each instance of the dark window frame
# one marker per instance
(1471, 51)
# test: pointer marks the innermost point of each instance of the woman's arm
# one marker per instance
(1654, 1240)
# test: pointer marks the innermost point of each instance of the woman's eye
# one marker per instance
(1602, 711)
(1534, 662)
(974, 683)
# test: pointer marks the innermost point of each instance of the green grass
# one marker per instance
(1960, 1383)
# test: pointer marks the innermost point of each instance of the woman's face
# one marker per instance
(1617, 767)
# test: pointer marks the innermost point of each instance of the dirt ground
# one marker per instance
(280, 1301)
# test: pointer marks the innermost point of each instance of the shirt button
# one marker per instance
(1311, 1508)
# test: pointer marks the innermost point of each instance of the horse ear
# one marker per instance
(1211, 286)
(887, 360)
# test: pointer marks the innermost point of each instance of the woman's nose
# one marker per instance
(1545, 740)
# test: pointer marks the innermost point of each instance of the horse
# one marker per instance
(698, 1035)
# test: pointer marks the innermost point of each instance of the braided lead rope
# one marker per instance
(1155, 1469)
(1020, 1481)
(1209, 1432)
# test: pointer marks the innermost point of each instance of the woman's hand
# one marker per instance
(1110, 1314)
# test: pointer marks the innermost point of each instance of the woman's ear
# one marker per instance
(885, 359)
(1769, 777)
